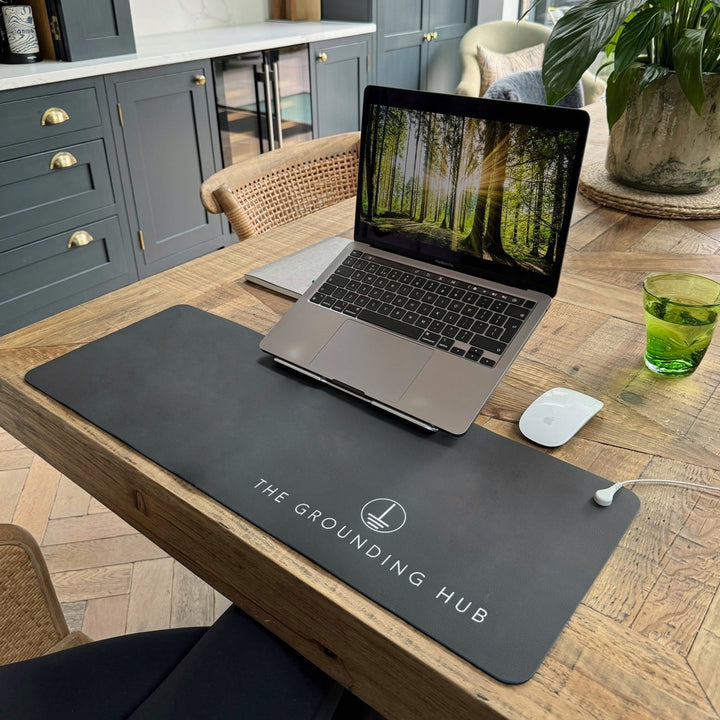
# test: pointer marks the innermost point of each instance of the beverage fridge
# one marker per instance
(263, 101)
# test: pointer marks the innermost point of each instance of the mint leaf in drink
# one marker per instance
(659, 307)
(687, 318)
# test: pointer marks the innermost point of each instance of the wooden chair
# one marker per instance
(283, 185)
(31, 620)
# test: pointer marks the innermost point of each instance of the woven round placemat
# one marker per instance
(596, 184)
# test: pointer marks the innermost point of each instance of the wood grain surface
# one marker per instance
(645, 641)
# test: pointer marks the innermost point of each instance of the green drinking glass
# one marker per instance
(681, 311)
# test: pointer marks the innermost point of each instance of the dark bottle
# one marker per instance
(17, 33)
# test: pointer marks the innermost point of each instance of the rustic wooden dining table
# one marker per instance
(645, 640)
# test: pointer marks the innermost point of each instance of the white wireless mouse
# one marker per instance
(553, 418)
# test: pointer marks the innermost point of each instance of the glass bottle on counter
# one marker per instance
(18, 37)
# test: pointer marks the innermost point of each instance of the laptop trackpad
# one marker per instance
(376, 362)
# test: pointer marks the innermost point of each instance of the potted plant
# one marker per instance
(663, 91)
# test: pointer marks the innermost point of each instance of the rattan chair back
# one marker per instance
(31, 619)
(283, 185)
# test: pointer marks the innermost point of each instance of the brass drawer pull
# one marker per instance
(200, 80)
(54, 116)
(62, 160)
(322, 57)
(80, 238)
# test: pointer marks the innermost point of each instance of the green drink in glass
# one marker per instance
(681, 311)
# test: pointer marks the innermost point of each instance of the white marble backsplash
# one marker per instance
(158, 17)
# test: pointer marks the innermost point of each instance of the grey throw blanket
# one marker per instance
(526, 86)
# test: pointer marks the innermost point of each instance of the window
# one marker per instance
(545, 12)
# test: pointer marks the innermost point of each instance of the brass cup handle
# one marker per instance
(322, 57)
(54, 116)
(80, 238)
(62, 160)
(199, 79)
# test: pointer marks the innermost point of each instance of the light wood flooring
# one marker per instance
(109, 578)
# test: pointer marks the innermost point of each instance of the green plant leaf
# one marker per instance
(651, 73)
(711, 43)
(529, 9)
(687, 59)
(577, 39)
(607, 65)
(619, 87)
(637, 34)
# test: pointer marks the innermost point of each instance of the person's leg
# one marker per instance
(240, 670)
(236, 669)
(351, 707)
(105, 679)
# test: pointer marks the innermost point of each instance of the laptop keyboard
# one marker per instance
(468, 320)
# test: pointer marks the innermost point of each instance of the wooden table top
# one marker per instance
(645, 641)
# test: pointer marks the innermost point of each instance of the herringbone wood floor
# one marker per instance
(110, 579)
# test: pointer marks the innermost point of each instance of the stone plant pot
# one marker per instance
(661, 144)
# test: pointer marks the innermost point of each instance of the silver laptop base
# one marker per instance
(358, 395)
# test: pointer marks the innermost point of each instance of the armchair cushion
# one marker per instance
(497, 65)
(527, 86)
(504, 37)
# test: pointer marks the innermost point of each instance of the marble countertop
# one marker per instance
(155, 50)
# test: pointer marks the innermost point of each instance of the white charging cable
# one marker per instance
(604, 497)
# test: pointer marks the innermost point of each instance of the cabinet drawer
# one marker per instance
(49, 271)
(34, 194)
(22, 120)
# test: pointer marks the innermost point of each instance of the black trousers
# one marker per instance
(234, 669)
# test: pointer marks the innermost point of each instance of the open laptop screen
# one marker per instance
(482, 186)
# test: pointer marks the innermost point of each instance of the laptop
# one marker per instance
(462, 215)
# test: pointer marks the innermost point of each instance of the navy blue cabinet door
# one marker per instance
(338, 76)
(450, 20)
(86, 29)
(417, 40)
(402, 48)
(167, 135)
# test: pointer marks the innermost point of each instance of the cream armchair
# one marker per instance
(508, 36)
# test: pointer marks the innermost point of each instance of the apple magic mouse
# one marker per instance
(553, 418)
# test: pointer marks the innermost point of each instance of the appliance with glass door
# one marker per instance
(263, 101)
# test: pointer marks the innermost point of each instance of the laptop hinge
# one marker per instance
(359, 394)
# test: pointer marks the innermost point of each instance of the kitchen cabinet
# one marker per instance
(339, 72)
(86, 29)
(99, 185)
(167, 139)
(61, 205)
(100, 175)
(417, 41)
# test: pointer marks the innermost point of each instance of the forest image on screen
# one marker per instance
(494, 190)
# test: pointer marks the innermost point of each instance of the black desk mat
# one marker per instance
(484, 544)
